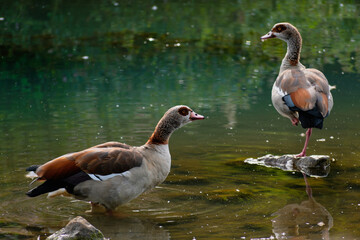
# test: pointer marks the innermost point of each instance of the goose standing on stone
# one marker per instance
(113, 173)
(299, 93)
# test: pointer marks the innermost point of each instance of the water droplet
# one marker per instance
(154, 8)
(85, 57)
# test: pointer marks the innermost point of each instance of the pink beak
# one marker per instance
(267, 36)
(194, 116)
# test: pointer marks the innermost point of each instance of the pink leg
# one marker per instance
(308, 134)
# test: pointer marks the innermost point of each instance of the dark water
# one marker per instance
(76, 74)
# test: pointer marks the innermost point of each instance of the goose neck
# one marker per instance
(162, 132)
(292, 57)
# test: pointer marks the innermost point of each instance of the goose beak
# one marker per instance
(267, 36)
(194, 116)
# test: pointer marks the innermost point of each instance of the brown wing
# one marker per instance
(322, 88)
(106, 161)
(308, 88)
(94, 160)
(58, 168)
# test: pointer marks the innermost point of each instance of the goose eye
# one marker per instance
(279, 29)
(184, 111)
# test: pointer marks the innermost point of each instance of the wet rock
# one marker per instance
(314, 165)
(77, 229)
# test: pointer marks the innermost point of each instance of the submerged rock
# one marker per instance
(187, 180)
(314, 165)
(77, 229)
(228, 195)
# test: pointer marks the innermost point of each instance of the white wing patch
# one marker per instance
(280, 91)
(98, 177)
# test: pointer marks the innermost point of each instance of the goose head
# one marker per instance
(180, 115)
(174, 118)
(284, 31)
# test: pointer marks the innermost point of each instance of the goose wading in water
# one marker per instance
(113, 173)
(300, 94)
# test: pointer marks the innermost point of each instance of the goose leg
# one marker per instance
(303, 152)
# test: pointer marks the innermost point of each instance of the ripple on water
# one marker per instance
(39, 211)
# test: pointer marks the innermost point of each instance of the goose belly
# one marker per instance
(116, 190)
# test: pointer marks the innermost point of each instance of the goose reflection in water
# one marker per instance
(307, 220)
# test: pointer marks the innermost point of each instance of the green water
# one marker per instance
(74, 74)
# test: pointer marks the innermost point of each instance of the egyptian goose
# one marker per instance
(299, 93)
(113, 173)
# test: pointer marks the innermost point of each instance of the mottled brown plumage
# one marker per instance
(102, 159)
(298, 93)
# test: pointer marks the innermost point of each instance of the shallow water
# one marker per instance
(77, 74)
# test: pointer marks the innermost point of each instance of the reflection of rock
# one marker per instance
(314, 165)
(77, 228)
(307, 220)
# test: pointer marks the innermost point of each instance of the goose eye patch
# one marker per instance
(279, 28)
(184, 111)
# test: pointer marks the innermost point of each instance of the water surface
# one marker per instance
(76, 74)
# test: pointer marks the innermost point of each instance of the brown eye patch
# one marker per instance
(184, 111)
(279, 28)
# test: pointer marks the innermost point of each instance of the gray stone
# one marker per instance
(314, 165)
(77, 229)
